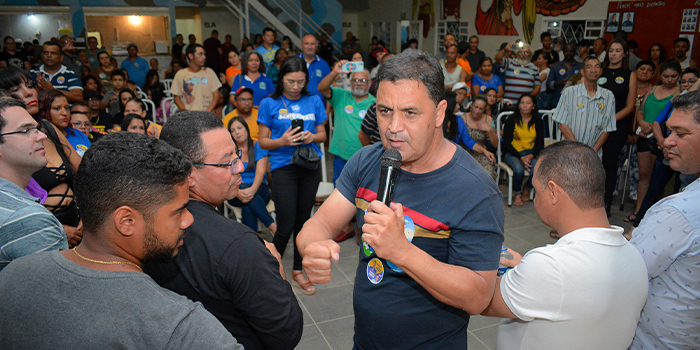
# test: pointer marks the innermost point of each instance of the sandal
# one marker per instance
(630, 218)
(305, 286)
(526, 195)
(554, 234)
(518, 201)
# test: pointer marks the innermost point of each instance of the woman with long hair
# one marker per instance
(480, 130)
(455, 130)
(254, 194)
(104, 71)
(274, 69)
(295, 184)
(153, 88)
(63, 160)
(134, 123)
(56, 109)
(234, 59)
(618, 78)
(654, 102)
(657, 54)
(137, 106)
(252, 76)
(523, 139)
(91, 83)
(123, 96)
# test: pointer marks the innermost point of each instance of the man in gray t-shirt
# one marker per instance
(96, 295)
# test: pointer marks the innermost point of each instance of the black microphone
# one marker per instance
(391, 162)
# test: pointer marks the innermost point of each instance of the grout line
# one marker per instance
(478, 329)
(324, 337)
(337, 319)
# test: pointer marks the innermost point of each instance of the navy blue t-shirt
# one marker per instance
(455, 214)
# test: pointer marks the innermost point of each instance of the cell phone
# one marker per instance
(298, 123)
(353, 66)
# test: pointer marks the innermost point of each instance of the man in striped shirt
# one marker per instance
(26, 227)
(53, 75)
(522, 77)
(586, 111)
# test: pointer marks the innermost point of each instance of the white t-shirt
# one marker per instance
(583, 292)
(543, 84)
(196, 90)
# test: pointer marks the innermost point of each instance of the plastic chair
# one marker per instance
(167, 111)
(151, 108)
(167, 83)
(325, 188)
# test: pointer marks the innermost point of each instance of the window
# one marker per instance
(574, 31)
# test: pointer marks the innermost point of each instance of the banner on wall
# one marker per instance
(497, 19)
(635, 18)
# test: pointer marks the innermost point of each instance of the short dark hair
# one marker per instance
(140, 170)
(545, 35)
(78, 104)
(6, 103)
(691, 70)
(417, 66)
(192, 48)
(670, 64)
(91, 37)
(268, 29)
(589, 58)
(576, 168)
(184, 132)
(214, 32)
(689, 102)
(8, 37)
(53, 43)
(645, 63)
(605, 42)
(632, 44)
(191, 35)
(118, 72)
(462, 47)
(178, 34)
(244, 61)
(291, 64)
(11, 77)
(682, 39)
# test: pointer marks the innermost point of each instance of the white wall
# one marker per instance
(225, 21)
(43, 27)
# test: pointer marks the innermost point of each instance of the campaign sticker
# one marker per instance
(295, 108)
(602, 80)
(60, 80)
(517, 71)
(600, 105)
(204, 81)
(619, 80)
(362, 114)
(482, 88)
(263, 86)
(195, 80)
(576, 71)
(136, 64)
(283, 111)
(409, 229)
(562, 71)
(580, 107)
(375, 271)
(319, 73)
(348, 109)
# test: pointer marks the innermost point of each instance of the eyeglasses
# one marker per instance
(232, 166)
(31, 132)
(293, 83)
(79, 124)
(364, 81)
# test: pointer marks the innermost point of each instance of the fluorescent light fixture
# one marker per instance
(135, 20)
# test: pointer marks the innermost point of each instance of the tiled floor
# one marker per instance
(328, 315)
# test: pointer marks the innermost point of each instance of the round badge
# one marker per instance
(60, 80)
(482, 88)
(283, 111)
(348, 109)
(619, 80)
(409, 230)
(195, 80)
(600, 105)
(375, 271)
(136, 64)
(263, 86)
(580, 107)
(319, 73)
(562, 71)
(517, 71)
(602, 80)
(362, 114)
(204, 81)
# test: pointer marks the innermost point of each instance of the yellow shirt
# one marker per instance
(252, 122)
(523, 137)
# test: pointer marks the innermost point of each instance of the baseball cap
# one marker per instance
(378, 50)
(460, 85)
(241, 89)
(90, 94)
(132, 44)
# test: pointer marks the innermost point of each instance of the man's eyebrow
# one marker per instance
(183, 207)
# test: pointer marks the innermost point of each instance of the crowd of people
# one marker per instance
(95, 188)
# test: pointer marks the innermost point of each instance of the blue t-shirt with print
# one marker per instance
(262, 86)
(277, 114)
(78, 140)
(248, 176)
(494, 82)
(318, 69)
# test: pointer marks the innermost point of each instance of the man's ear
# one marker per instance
(127, 220)
(440, 117)
(556, 192)
(191, 182)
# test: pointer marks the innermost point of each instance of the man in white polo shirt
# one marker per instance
(585, 291)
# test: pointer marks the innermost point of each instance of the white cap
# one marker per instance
(460, 85)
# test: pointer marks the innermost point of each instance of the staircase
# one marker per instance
(285, 16)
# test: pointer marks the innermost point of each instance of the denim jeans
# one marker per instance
(519, 170)
(256, 208)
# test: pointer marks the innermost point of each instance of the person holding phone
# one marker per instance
(290, 118)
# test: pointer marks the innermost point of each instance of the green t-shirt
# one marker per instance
(348, 120)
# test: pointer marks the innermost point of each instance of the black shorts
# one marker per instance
(643, 145)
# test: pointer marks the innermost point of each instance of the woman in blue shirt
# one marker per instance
(252, 76)
(253, 194)
(484, 79)
(294, 186)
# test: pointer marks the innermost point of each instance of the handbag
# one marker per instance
(306, 157)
